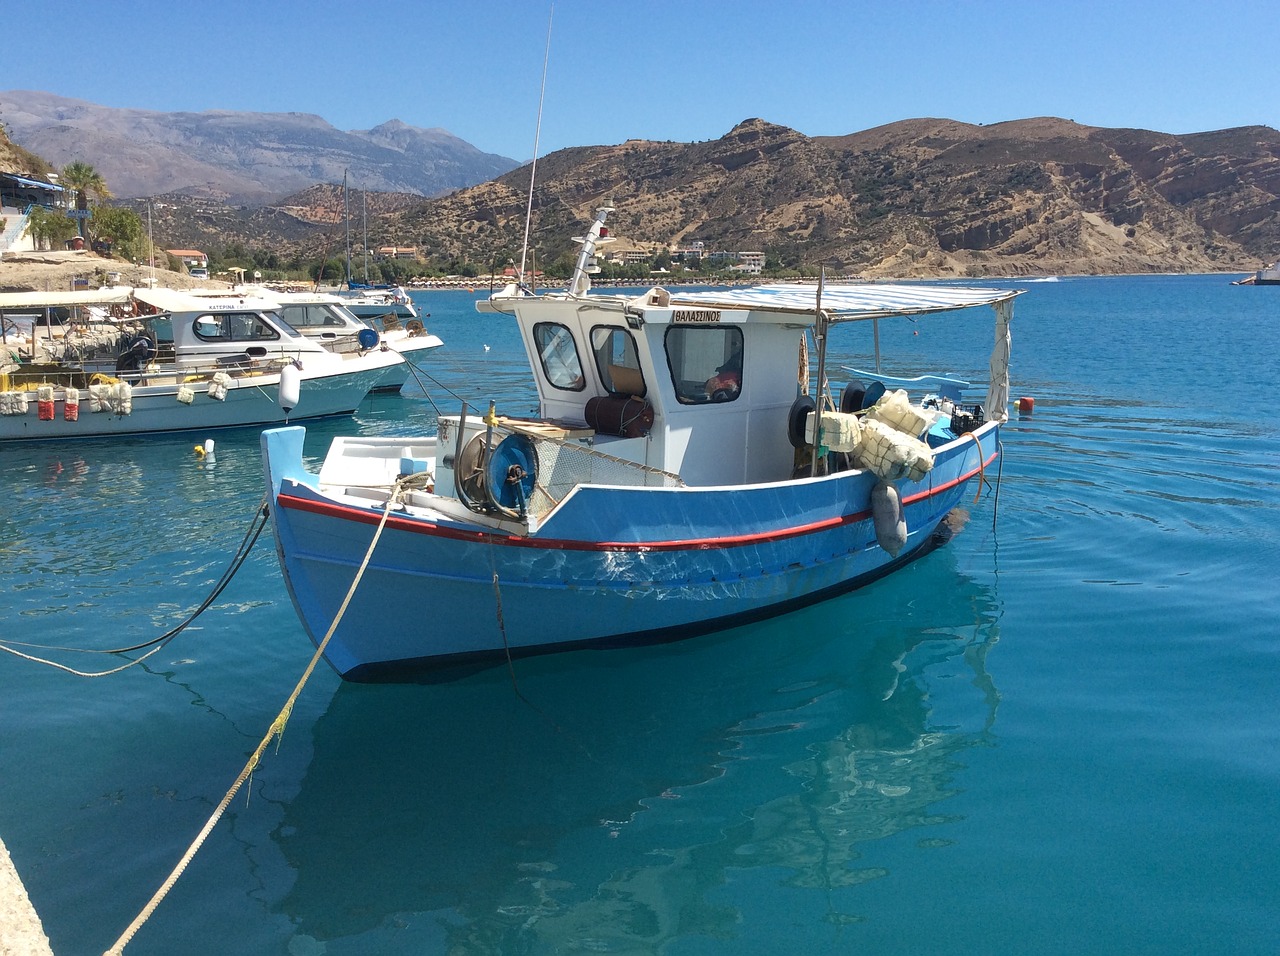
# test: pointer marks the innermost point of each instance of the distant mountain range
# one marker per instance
(236, 157)
(920, 197)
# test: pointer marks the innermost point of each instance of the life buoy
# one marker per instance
(888, 517)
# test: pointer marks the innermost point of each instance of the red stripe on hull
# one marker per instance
(565, 544)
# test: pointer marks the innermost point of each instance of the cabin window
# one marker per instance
(617, 361)
(705, 362)
(234, 327)
(310, 316)
(558, 353)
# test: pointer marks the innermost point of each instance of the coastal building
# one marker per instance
(18, 196)
(195, 261)
(690, 252)
(19, 193)
(398, 252)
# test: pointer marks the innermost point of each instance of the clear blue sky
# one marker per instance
(681, 70)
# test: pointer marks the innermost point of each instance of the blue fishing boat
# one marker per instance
(682, 475)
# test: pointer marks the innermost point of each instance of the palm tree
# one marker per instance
(84, 179)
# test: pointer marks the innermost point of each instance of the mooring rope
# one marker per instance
(995, 506)
(275, 731)
(157, 643)
(982, 466)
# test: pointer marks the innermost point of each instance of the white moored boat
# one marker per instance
(325, 318)
(677, 480)
(385, 307)
(158, 360)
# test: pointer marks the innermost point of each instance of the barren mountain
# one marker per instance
(919, 197)
(238, 157)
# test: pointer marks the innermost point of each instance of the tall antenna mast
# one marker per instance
(346, 216)
(533, 169)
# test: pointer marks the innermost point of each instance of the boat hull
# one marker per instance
(155, 408)
(611, 567)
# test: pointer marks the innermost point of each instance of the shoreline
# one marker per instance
(47, 272)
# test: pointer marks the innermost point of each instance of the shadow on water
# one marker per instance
(610, 800)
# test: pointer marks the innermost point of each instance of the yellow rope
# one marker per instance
(276, 731)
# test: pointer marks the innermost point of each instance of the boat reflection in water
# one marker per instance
(606, 804)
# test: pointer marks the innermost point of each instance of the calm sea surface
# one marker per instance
(1057, 734)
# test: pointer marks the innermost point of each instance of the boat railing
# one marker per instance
(104, 371)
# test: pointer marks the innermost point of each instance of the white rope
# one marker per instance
(72, 670)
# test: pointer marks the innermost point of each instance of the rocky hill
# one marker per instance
(238, 157)
(915, 198)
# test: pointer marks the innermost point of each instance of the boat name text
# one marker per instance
(696, 315)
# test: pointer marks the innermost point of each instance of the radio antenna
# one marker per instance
(533, 169)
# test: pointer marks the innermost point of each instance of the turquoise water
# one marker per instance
(1055, 735)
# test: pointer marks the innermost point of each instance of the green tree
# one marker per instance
(50, 229)
(84, 180)
(332, 270)
(122, 230)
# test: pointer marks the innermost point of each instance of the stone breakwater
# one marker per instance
(21, 933)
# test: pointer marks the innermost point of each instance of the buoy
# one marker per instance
(1026, 405)
(208, 451)
(888, 518)
(290, 385)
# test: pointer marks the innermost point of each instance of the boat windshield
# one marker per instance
(558, 353)
(705, 362)
(617, 361)
(312, 316)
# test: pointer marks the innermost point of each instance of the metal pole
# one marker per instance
(346, 216)
(820, 327)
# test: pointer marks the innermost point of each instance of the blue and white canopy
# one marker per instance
(847, 303)
(33, 183)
